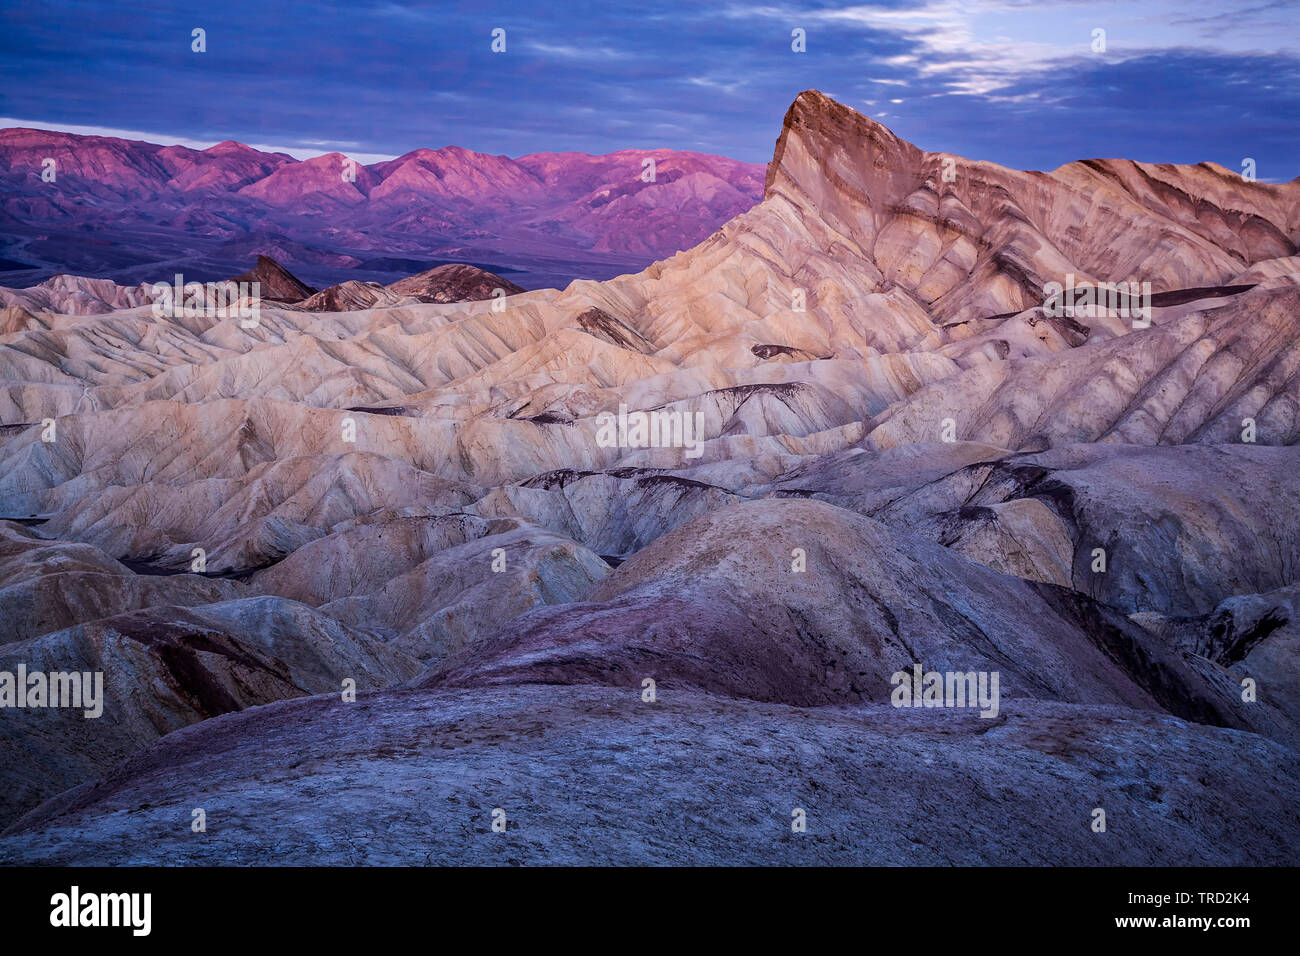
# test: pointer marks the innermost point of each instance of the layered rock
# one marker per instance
(277, 283)
(899, 454)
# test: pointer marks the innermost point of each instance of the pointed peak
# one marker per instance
(278, 283)
(823, 125)
(230, 146)
(814, 110)
(813, 102)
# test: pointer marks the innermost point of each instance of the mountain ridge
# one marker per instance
(588, 214)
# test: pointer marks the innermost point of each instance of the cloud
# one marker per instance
(571, 52)
(1007, 81)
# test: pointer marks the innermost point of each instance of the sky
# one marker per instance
(1024, 84)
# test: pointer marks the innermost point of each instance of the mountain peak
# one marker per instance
(278, 284)
(819, 134)
(229, 146)
(822, 126)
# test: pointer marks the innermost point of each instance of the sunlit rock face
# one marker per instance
(602, 556)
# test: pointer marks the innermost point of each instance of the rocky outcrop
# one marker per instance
(351, 296)
(277, 283)
(455, 282)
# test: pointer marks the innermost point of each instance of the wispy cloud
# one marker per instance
(1005, 80)
(573, 51)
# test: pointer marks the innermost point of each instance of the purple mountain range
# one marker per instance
(135, 211)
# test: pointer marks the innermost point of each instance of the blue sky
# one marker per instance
(1012, 82)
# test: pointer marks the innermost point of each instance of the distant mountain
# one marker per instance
(137, 212)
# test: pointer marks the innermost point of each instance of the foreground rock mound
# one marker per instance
(165, 667)
(806, 604)
(590, 775)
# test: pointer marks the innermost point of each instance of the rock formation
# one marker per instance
(876, 445)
